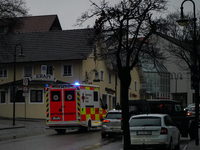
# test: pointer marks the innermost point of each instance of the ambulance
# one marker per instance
(74, 106)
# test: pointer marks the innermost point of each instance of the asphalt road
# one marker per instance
(35, 136)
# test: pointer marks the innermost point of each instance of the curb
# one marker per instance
(11, 127)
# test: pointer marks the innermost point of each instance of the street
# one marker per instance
(71, 140)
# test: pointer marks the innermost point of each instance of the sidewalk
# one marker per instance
(22, 127)
(192, 146)
(34, 126)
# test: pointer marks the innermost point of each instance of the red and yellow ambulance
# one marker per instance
(74, 106)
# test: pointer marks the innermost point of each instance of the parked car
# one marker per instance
(111, 123)
(189, 106)
(154, 131)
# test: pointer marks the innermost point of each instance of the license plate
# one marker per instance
(144, 132)
(116, 130)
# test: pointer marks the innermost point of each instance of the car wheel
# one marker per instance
(103, 135)
(192, 131)
(170, 147)
(60, 131)
(177, 147)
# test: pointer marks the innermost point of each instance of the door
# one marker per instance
(70, 105)
(56, 105)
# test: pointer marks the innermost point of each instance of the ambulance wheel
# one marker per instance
(60, 131)
(87, 129)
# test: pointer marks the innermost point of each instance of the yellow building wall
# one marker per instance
(32, 110)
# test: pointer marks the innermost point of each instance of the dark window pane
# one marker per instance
(96, 96)
(113, 116)
(3, 97)
(145, 121)
(55, 96)
(19, 97)
(69, 96)
(36, 96)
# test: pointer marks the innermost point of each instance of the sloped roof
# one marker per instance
(38, 24)
(47, 46)
(183, 44)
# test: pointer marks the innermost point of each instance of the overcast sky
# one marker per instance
(69, 10)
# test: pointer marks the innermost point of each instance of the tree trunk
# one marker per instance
(125, 78)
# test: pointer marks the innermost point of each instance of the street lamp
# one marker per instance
(182, 21)
(176, 77)
(21, 55)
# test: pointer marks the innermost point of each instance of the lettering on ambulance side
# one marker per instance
(88, 97)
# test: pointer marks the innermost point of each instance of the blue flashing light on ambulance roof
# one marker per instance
(77, 84)
(46, 85)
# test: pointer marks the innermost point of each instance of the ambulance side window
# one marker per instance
(69, 96)
(95, 96)
(55, 96)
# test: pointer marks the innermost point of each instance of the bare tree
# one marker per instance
(126, 28)
(182, 37)
(10, 11)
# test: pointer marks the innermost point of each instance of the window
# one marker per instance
(3, 72)
(116, 83)
(19, 97)
(178, 108)
(55, 96)
(95, 96)
(104, 99)
(27, 71)
(135, 85)
(36, 96)
(114, 116)
(168, 121)
(50, 70)
(145, 121)
(96, 75)
(69, 95)
(67, 70)
(2, 97)
(110, 78)
(102, 75)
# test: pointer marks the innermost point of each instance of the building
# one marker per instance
(180, 74)
(58, 57)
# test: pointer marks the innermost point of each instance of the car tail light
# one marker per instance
(163, 131)
(106, 120)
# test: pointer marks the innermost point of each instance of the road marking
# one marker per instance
(185, 147)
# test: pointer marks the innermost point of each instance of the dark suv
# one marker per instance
(186, 124)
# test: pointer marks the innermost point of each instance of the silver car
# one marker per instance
(111, 123)
(154, 131)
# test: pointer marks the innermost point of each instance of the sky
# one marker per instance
(69, 10)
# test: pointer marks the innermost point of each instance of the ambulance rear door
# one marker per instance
(56, 113)
(70, 109)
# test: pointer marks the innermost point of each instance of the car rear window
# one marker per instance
(145, 121)
(114, 116)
